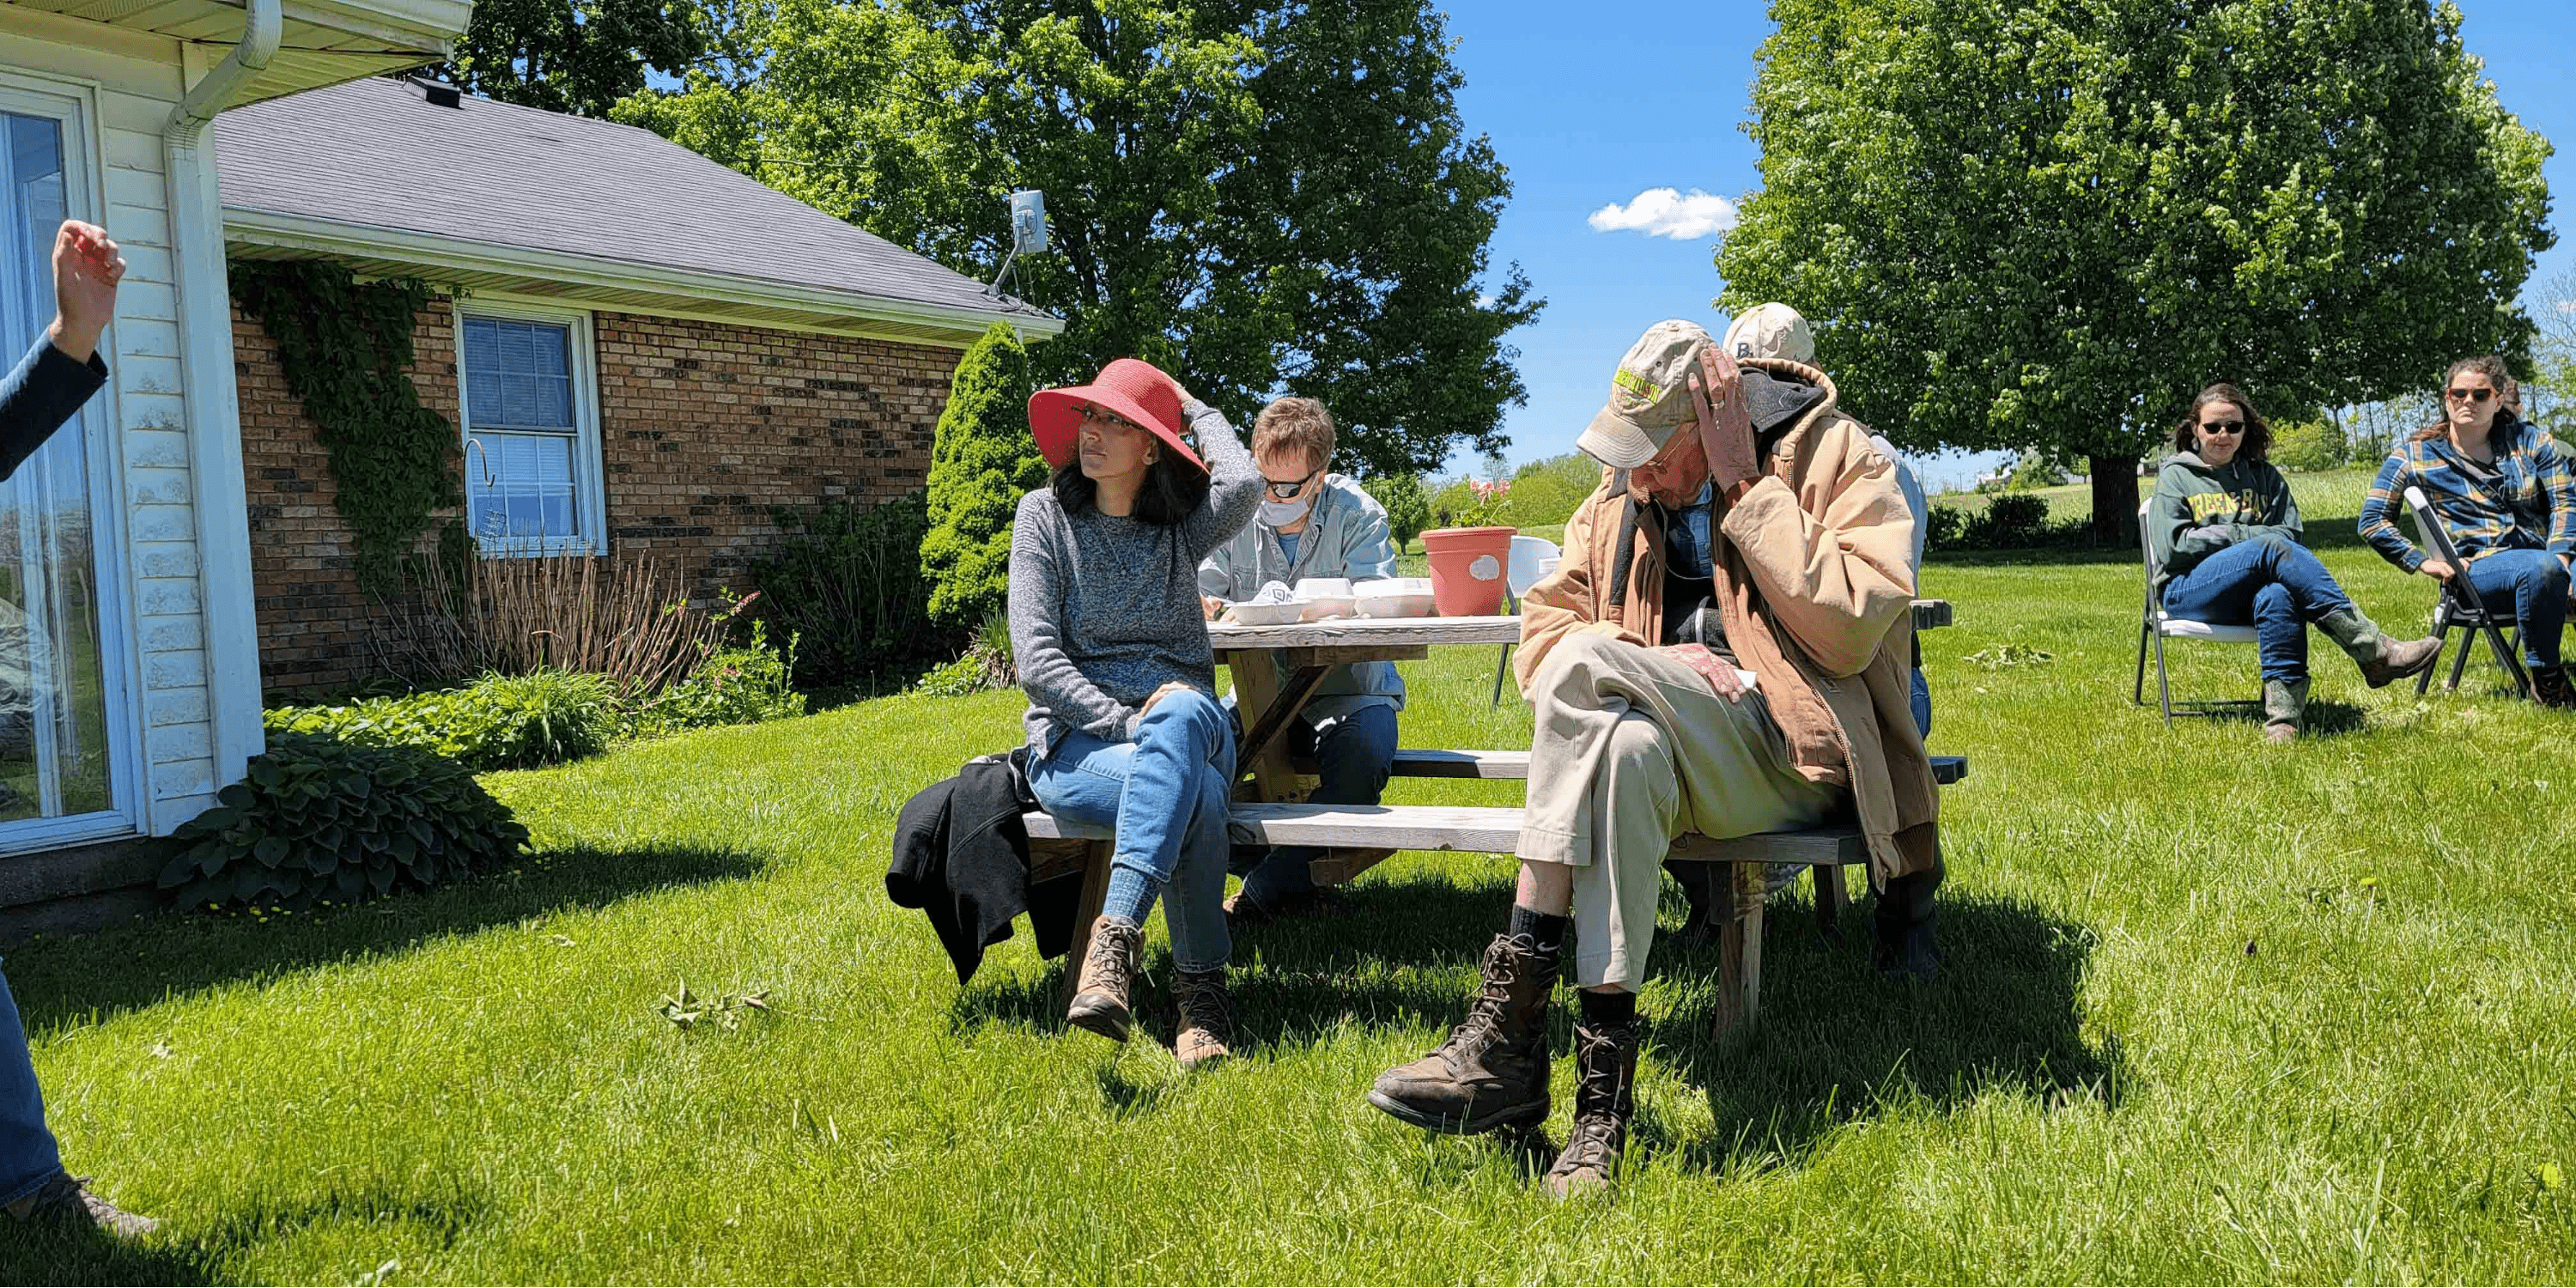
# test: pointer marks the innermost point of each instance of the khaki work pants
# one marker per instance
(1633, 749)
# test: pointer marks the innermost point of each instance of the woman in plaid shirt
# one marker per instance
(2502, 490)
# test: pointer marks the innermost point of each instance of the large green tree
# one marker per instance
(1261, 196)
(578, 56)
(2044, 224)
(980, 463)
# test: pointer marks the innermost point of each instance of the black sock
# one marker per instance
(1604, 1010)
(1545, 932)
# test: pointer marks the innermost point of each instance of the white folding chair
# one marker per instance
(1532, 558)
(2460, 607)
(2161, 626)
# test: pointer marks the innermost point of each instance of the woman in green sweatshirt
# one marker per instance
(2224, 533)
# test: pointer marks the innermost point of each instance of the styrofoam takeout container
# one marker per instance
(1327, 597)
(1251, 614)
(1395, 597)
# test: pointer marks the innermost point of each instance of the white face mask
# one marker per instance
(1279, 514)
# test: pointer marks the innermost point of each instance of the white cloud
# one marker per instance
(1666, 212)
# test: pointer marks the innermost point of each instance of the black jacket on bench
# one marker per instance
(961, 855)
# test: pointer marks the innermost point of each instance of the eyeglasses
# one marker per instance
(2470, 395)
(1287, 489)
(1104, 419)
(2223, 427)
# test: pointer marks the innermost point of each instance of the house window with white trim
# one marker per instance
(530, 406)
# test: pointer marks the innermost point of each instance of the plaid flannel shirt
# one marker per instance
(2530, 505)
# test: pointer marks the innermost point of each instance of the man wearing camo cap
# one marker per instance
(1722, 650)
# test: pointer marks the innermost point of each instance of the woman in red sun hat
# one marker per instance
(1124, 726)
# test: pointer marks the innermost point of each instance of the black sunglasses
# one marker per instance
(1288, 490)
(2470, 395)
(2223, 427)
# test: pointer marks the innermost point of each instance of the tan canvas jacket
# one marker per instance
(1815, 586)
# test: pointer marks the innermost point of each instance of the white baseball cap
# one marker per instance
(1771, 331)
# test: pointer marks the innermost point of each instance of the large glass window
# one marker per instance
(531, 443)
(55, 693)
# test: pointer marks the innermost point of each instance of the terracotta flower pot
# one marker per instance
(1467, 569)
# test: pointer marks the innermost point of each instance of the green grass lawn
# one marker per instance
(2325, 492)
(2212, 1012)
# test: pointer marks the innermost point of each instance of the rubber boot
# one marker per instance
(1904, 926)
(1605, 1098)
(2285, 710)
(1492, 1072)
(2383, 661)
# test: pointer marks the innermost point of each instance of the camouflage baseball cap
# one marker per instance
(1771, 331)
(1649, 396)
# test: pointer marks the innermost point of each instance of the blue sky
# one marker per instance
(1594, 105)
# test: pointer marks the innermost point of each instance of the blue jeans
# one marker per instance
(1921, 702)
(2534, 585)
(1167, 794)
(28, 1156)
(2275, 586)
(1355, 757)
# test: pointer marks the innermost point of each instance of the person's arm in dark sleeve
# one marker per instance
(41, 395)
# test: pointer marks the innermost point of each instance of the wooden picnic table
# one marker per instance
(1277, 669)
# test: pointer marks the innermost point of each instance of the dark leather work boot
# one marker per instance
(1492, 1072)
(1605, 1098)
(1904, 925)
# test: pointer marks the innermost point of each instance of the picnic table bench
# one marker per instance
(1728, 900)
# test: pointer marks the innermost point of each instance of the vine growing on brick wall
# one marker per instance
(346, 350)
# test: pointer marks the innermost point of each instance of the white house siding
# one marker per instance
(132, 81)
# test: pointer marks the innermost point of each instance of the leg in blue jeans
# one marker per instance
(2276, 587)
(28, 1156)
(2534, 585)
(1166, 793)
(1355, 756)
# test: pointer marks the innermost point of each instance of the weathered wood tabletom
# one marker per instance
(1277, 669)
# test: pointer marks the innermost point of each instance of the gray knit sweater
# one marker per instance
(1105, 609)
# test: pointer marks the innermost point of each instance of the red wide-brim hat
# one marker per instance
(1136, 391)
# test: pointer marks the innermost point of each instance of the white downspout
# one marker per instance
(225, 606)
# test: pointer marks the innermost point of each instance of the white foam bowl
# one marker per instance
(1395, 597)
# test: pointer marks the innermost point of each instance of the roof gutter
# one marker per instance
(212, 407)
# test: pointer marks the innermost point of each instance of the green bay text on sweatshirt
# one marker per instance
(2245, 500)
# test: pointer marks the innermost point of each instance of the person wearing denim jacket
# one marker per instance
(1311, 524)
(2502, 491)
(59, 375)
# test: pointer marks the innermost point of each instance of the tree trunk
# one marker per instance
(2115, 500)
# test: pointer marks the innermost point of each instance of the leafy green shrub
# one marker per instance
(986, 664)
(2309, 445)
(980, 463)
(2011, 519)
(740, 684)
(845, 583)
(1945, 524)
(497, 722)
(321, 820)
(1408, 506)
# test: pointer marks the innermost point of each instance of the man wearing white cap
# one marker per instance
(1722, 650)
(1777, 331)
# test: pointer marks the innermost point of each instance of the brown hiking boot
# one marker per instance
(2383, 661)
(1492, 1072)
(2550, 689)
(1207, 1018)
(1108, 971)
(66, 1200)
(1605, 1098)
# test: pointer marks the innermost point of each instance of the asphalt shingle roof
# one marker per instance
(375, 152)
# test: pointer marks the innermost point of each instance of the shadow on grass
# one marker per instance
(83, 980)
(1837, 1041)
(89, 1257)
(1311, 972)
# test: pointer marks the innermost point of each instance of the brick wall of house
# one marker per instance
(704, 427)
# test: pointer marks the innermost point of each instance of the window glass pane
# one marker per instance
(54, 757)
(518, 375)
(520, 487)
